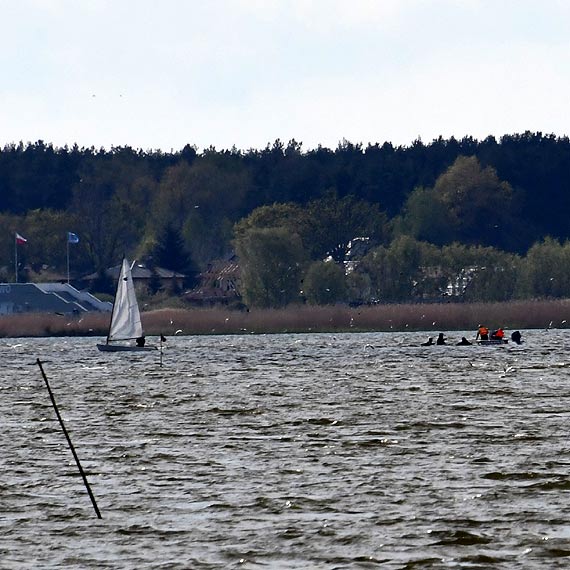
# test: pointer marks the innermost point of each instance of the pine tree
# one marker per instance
(171, 253)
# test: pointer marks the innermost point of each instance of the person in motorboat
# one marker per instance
(482, 333)
(440, 339)
(516, 337)
(463, 342)
(499, 334)
(429, 342)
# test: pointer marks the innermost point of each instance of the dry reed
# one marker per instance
(49, 324)
(413, 317)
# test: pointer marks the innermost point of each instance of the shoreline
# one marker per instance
(433, 317)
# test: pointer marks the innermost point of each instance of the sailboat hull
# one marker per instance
(124, 348)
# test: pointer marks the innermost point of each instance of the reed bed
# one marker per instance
(414, 317)
(404, 317)
(49, 324)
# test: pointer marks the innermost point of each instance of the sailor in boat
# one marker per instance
(463, 342)
(482, 333)
(440, 339)
(429, 342)
(140, 341)
(499, 334)
(516, 337)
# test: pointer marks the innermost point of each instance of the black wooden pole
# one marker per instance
(91, 496)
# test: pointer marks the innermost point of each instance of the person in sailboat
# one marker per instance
(429, 342)
(141, 340)
(440, 339)
(463, 342)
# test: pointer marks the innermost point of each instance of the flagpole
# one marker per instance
(70, 238)
(16, 256)
(67, 240)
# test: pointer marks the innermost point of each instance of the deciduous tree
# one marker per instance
(325, 283)
(272, 262)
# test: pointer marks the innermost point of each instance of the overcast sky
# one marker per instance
(159, 74)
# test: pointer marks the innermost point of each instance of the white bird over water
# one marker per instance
(507, 368)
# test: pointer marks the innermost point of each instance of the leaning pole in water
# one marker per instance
(84, 477)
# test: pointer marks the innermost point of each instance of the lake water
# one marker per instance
(288, 451)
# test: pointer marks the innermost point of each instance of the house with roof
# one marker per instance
(61, 298)
(143, 276)
(218, 284)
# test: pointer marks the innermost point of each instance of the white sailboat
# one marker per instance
(126, 325)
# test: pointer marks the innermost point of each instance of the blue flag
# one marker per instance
(72, 238)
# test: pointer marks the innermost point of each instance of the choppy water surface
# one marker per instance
(288, 451)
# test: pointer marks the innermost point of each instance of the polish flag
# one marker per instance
(20, 239)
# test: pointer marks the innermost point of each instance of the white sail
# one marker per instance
(126, 317)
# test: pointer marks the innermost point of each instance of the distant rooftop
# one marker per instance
(139, 271)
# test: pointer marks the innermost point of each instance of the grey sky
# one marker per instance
(161, 74)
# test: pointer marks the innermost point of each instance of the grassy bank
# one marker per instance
(413, 317)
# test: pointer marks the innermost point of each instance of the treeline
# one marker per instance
(290, 254)
(502, 196)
